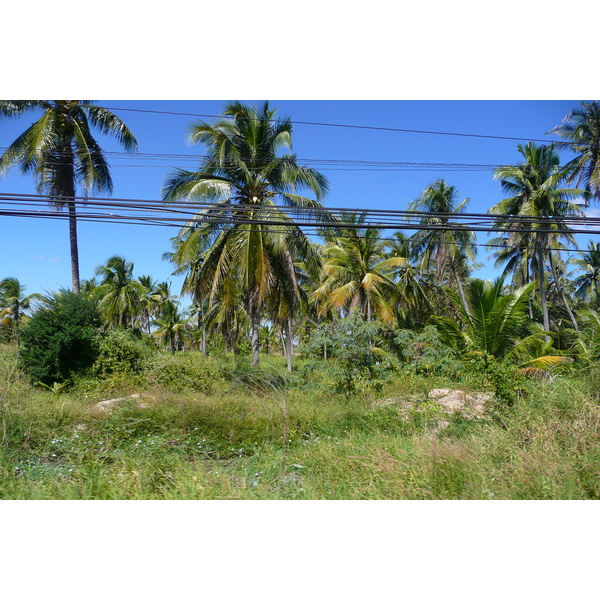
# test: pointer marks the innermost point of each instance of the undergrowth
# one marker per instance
(215, 428)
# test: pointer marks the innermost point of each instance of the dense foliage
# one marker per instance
(60, 340)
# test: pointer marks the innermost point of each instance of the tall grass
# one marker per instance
(262, 435)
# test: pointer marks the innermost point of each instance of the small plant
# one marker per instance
(177, 374)
(56, 388)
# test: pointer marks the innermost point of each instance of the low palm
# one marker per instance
(494, 326)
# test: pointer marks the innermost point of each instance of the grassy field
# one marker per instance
(216, 429)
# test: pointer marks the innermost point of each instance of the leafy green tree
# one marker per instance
(543, 206)
(14, 304)
(61, 153)
(581, 130)
(245, 178)
(59, 341)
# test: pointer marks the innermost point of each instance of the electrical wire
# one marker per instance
(158, 214)
(344, 125)
(322, 164)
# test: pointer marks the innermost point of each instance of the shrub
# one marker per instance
(59, 341)
(358, 366)
(425, 354)
(121, 351)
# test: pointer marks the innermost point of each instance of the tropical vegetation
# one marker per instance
(296, 366)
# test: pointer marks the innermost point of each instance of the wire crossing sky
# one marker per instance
(377, 155)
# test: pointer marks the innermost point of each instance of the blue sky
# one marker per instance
(38, 251)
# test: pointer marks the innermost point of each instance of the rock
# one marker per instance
(452, 400)
(108, 405)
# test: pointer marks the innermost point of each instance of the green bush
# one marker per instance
(424, 353)
(59, 341)
(356, 365)
(121, 352)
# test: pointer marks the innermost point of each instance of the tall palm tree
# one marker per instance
(61, 153)
(581, 130)
(148, 303)
(14, 303)
(447, 247)
(120, 294)
(245, 177)
(536, 197)
(357, 274)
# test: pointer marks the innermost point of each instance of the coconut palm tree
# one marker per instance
(356, 272)
(588, 283)
(120, 295)
(61, 153)
(171, 326)
(581, 130)
(246, 179)
(447, 247)
(147, 301)
(542, 205)
(13, 304)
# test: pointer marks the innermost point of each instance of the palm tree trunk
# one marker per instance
(73, 245)
(288, 342)
(543, 292)
(561, 292)
(17, 319)
(202, 328)
(461, 292)
(254, 323)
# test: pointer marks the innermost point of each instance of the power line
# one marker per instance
(345, 125)
(324, 164)
(94, 218)
(301, 212)
(211, 214)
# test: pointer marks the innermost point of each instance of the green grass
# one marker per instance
(251, 435)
